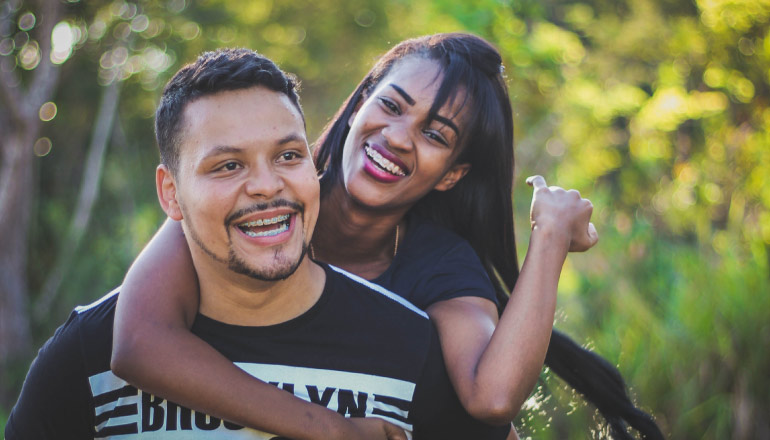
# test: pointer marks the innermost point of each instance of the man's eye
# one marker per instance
(230, 166)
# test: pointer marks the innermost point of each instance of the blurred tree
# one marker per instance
(23, 97)
(655, 109)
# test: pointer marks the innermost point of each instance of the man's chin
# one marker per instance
(278, 270)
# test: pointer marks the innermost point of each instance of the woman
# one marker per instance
(425, 139)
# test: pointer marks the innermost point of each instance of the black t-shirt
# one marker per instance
(360, 350)
(435, 264)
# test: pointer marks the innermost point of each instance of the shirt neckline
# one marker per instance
(205, 323)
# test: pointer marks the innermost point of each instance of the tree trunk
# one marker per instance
(20, 127)
(16, 178)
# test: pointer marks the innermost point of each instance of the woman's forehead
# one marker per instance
(420, 78)
(417, 75)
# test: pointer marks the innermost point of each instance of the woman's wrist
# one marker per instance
(551, 236)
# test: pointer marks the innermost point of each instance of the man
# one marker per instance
(237, 172)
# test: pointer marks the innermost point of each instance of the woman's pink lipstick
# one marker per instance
(382, 165)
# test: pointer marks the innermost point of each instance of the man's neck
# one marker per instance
(241, 300)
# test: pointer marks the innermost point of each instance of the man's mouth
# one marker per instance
(383, 163)
(266, 227)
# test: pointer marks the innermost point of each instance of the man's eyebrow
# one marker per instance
(403, 94)
(225, 149)
(293, 137)
(222, 149)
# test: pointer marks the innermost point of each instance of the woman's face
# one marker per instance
(394, 155)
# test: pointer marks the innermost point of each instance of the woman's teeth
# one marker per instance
(382, 162)
(281, 220)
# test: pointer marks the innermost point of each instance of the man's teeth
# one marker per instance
(383, 162)
(282, 228)
(265, 222)
(281, 220)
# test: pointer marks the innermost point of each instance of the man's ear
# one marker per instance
(450, 179)
(166, 186)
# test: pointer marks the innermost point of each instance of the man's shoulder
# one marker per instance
(56, 397)
(93, 324)
(84, 340)
(105, 303)
(86, 324)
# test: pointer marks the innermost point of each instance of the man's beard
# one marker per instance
(237, 264)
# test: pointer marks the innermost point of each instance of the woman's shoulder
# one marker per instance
(435, 264)
(426, 236)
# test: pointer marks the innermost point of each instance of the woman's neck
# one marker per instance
(355, 238)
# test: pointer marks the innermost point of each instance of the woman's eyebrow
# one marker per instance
(403, 94)
(446, 121)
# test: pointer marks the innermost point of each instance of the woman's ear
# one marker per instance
(450, 179)
(167, 195)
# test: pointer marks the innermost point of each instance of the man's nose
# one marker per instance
(264, 182)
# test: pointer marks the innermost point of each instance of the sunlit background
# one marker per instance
(657, 110)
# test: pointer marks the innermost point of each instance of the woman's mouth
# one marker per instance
(267, 227)
(383, 163)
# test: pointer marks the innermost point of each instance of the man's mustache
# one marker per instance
(280, 203)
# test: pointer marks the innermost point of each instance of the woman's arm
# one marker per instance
(493, 368)
(154, 349)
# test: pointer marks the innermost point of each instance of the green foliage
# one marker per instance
(656, 110)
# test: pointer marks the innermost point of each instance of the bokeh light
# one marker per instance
(47, 111)
(29, 55)
(42, 147)
(365, 18)
(140, 23)
(27, 21)
(20, 39)
(176, 6)
(63, 39)
(190, 31)
(6, 46)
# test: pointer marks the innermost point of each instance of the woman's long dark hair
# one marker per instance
(479, 207)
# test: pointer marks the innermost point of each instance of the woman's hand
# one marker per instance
(375, 428)
(562, 212)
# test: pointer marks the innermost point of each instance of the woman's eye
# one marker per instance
(390, 105)
(436, 137)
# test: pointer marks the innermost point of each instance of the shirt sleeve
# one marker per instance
(436, 410)
(54, 400)
(456, 273)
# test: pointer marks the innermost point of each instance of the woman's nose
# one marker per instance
(398, 136)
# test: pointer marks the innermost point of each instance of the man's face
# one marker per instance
(246, 189)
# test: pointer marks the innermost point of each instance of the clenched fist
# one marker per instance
(562, 212)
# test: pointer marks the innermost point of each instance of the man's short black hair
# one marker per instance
(214, 72)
